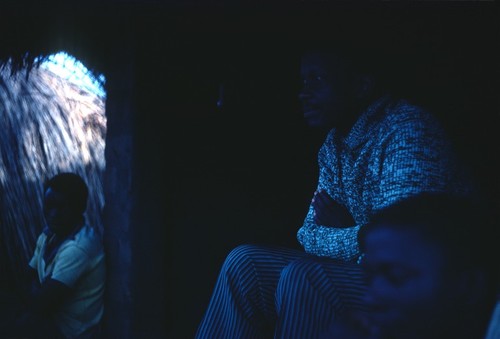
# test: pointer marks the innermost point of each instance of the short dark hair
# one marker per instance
(463, 227)
(361, 55)
(72, 186)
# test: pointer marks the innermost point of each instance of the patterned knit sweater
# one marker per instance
(394, 150)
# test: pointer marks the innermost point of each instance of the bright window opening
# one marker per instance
(52, 121)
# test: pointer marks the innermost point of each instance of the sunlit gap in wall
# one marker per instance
(53, 120)
(82, 95)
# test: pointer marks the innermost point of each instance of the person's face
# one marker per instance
(408, 290)
(325, 92)
(57, 212)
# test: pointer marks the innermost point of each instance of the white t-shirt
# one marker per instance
(79, 263)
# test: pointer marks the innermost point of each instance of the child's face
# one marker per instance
(408, 289)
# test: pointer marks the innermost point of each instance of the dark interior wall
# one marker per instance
(232, 174)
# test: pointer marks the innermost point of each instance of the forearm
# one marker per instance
(29, 284)
(48, 297)
(337, 243)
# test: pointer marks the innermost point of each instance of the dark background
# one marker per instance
(208, 178)
(246, 173)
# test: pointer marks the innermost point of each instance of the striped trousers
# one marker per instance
(274, 292)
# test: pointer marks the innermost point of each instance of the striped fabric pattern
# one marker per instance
(266, 292)
(494, 325)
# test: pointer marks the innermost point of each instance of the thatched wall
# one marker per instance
(48, 125)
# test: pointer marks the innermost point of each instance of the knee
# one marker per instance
(295, 280)
(297, 273)
(239, 258)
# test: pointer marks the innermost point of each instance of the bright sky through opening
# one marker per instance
(73, 70)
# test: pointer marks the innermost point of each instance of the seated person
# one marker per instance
(378, 149)
(67, 268)
(431, 272)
